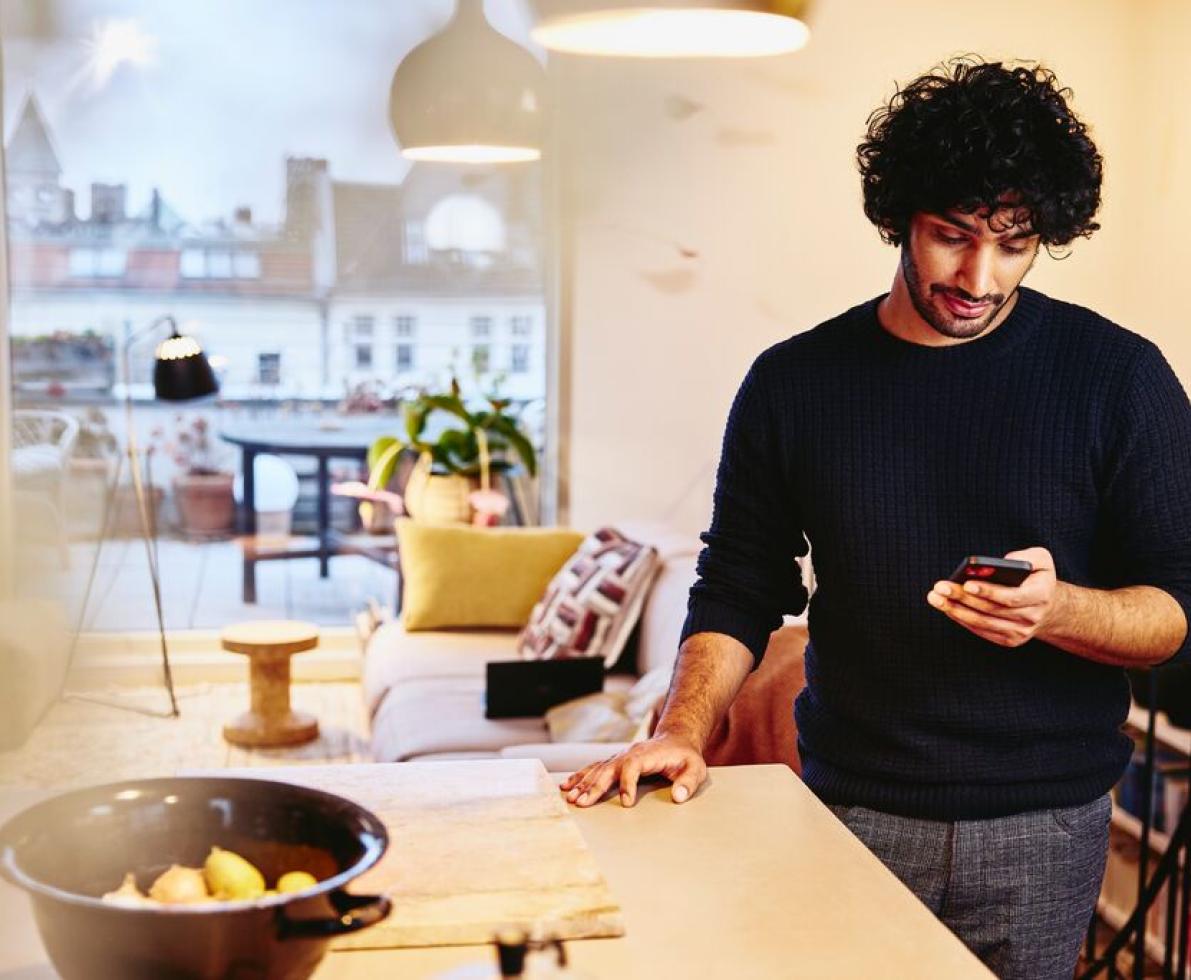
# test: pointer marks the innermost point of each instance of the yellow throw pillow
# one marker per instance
(457, 575)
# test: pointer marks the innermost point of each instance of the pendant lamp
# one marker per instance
(468, 95)
(672, 28)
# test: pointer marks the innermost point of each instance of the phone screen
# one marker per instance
(985, 568)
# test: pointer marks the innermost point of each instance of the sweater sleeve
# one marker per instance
(747, 573)
(1149, 487)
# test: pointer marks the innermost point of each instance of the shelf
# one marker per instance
(1128, 823)
(1165, 733)
(1116, 917)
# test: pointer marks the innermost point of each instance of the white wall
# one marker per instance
(1158, 189)
(714, 209)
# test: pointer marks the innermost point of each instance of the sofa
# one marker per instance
(424, 690)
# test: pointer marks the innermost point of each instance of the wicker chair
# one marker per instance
(42, 444)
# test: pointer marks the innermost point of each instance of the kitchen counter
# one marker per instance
(753, 878)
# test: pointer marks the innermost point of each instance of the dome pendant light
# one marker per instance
(672, 28)
(468, 95)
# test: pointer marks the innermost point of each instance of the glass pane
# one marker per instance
(326, 280)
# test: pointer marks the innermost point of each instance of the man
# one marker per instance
(968, 735)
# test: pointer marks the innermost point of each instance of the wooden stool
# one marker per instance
(269, 644)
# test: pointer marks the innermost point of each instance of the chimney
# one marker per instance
(243, 215)
(302, 178)
(107, 203)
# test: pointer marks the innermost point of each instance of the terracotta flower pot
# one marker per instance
(206, 505)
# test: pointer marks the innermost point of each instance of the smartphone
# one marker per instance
(999, 571)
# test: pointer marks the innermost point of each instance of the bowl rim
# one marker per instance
(11, 869)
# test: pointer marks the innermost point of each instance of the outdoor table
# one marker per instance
(290, 437)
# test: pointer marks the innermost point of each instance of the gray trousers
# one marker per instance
(1019, 891)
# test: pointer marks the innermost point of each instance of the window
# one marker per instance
(316, 268)
(91, 263)
(521, 326)
(360, 331)
(481, 358)
(246, 265)
(268, 368)
(192, 264)
(414, 250)
(519, 359)
(218, 263)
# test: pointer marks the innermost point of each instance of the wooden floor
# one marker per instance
(81, 742)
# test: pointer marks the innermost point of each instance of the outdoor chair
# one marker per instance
(43, 442)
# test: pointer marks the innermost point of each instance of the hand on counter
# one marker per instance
(672, 756)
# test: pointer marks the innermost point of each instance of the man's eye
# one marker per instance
(951, 239)
(1009, 249)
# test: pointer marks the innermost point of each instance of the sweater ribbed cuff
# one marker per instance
(750, 628)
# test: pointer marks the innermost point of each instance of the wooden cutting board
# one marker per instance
(473, 846)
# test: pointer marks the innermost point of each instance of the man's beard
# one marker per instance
(943, 322)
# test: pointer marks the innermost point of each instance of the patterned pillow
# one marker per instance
(592, 604)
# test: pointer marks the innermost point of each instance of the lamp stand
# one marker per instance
(180, 373)
(147, 516)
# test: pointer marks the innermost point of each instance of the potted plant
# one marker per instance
(452, 481)
(203, 490)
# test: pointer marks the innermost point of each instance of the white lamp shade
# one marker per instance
(672, 28)
(468, 95)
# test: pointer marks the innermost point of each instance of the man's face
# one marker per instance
(961, 269)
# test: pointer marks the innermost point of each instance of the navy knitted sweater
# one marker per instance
(894, 460)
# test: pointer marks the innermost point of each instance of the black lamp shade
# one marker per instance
(182, 371)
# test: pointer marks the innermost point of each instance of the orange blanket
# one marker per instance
(760, 723)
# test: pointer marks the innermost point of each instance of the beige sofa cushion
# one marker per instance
(664, 614)
(437, 716)
(396, 657)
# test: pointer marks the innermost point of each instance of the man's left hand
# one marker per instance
(1006, 615)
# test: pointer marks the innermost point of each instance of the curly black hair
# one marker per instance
(973, 135)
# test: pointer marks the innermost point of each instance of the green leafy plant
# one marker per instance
(457, 448)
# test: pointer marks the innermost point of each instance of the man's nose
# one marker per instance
(976, 273)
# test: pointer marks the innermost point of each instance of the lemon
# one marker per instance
(231, 877)
(296, 881)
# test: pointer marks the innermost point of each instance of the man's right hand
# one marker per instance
(673, 756)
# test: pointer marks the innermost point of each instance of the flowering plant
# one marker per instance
(191, 446)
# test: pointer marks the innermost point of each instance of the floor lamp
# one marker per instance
(181, 372)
